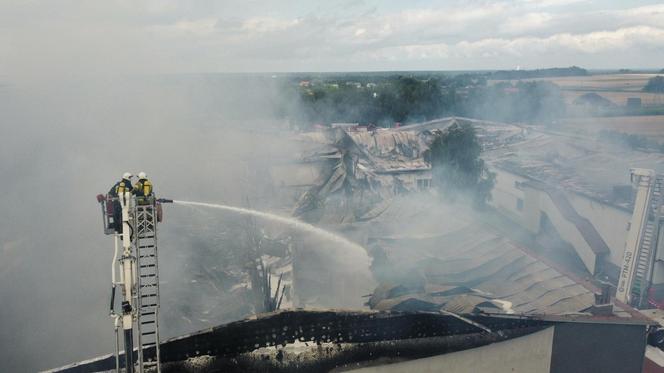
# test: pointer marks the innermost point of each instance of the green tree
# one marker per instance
(457, 167)
(655, 85)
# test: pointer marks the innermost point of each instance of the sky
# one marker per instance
(65, 37)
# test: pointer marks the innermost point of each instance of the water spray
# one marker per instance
(360, 255)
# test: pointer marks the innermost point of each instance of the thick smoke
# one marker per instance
(84, 97)
(64, 141)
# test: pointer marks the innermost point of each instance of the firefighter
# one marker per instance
(143, 189)
(122, 186)
(117, 192)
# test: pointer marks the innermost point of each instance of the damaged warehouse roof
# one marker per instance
(464, 267)
(574, 162)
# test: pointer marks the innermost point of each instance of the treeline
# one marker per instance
(403, 99)
(399, 99)
(655, 85)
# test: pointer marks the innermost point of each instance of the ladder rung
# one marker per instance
(147, 322)
(148, 313)
(148, 265)
(149, 275)
(147, 256)
(148, 333)
(149, 305)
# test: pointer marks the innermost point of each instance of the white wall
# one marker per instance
(567, 230)
(658, 265)
(610, 223)
(408, 179)
(505, 195)
(527, 354)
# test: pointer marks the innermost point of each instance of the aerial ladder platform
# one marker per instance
(132, 221)
(636, 272)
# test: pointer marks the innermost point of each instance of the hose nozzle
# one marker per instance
(164, 200)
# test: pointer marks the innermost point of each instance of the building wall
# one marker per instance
(524, 205)
(567, 347)
(505, 196)
(567, 230)
(527, 354)
(658, 266)
(610, 222)
(598, 347)
(410, 179)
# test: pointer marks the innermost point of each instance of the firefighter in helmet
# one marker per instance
(117, 191)
(143, 189)
(122, 186)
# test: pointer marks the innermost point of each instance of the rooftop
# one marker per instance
(462, 267)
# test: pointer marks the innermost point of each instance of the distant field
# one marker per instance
(643, 125)
(610, 82)
(615, 87)
(619, 97)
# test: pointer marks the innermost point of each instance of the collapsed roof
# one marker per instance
(574, 162)
(375, 164)
(444, 257)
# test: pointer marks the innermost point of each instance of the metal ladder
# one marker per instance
(147, 292)
(647, 246)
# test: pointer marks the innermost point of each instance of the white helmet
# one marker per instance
(142, 175)
(127, 175)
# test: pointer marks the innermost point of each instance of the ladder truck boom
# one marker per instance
(133, 223)
(641, 244)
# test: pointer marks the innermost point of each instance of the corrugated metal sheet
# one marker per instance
(470, 265)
